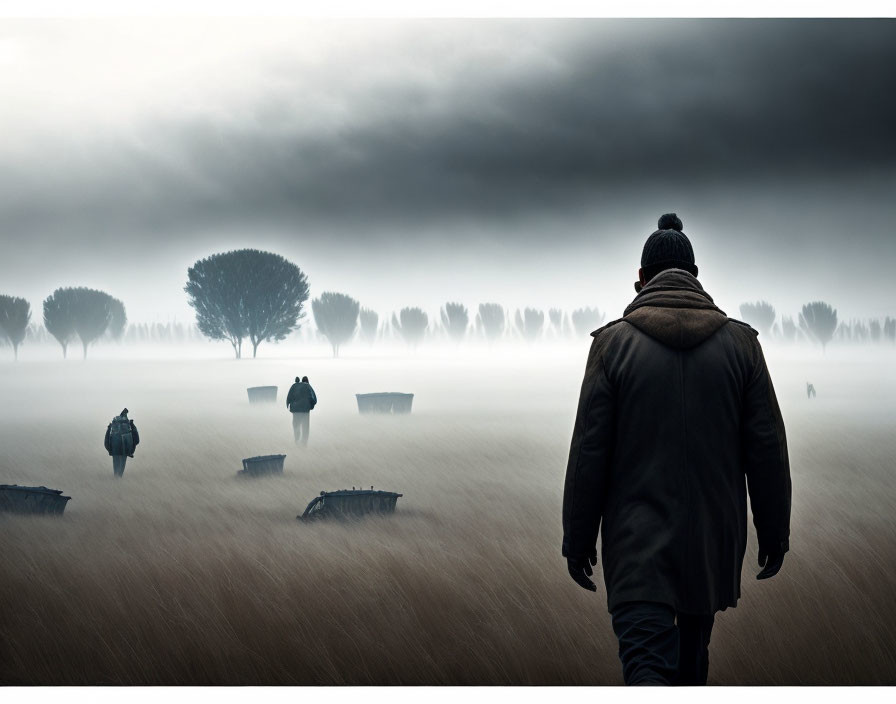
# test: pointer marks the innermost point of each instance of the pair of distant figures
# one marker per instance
(810, 390)
(122, 438)
(300, 401)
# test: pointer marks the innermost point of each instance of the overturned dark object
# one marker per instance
(262, 465)
(32, 499)
(385, 402)
(348, 503)
(262, 394)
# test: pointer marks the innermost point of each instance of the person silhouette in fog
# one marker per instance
(300, 401)
(677, 421)
(121, 441)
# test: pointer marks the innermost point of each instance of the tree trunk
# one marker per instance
(85, 348)
(15, 351)
(64, 350)
(255, 347)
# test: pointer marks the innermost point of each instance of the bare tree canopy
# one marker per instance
(529, 323)
(761, 315)
(411, 325)
(890, 329)
(555, 315)
(491, 320)
(788, 329)
(819, 320)
(15, 314)
(336, 316)
(587, 320)
(456, 320)
(246, 293)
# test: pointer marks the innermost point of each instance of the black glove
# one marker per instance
(771, 557)
(580, 569)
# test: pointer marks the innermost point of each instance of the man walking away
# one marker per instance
(677, 422)
(300, 400)
(121, 441)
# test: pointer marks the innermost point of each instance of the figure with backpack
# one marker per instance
(121, 440)
(300, 401)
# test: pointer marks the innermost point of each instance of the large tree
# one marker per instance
(491, 320)
(370, 322)
(456, 320)
(15, 314)
(529, 323)
(411, 324)
(80, 311)
(119, 320)
(246, 293)
(58, 319)
(587, 320)
(336, 316)
(761, 315)
(92, 313)
(819, 320)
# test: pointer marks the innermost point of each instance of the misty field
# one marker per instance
(183, 573)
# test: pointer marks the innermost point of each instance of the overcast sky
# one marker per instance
(415, 162)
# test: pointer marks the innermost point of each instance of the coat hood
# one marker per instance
(674, 309)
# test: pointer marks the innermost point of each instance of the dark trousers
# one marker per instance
(118, 464)
(301, 425)
(654, 650)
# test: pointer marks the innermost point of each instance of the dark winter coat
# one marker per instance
(677, 420)
(301, 397)
(121, 445)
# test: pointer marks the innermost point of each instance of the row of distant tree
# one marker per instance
(260, 296)
(816, 322)
(340, 319)
(68, 314)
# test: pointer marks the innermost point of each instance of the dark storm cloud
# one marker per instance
(593, 109)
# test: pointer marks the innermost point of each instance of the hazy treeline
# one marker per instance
(816, 322)
(170, 333)
(69, 314)
(259, 296)
(456, 324)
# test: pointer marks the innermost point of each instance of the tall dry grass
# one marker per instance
(183, 574)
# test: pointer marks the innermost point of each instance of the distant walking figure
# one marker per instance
(300, 400)
(121, 440)
(677, 422)
(810, 390)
